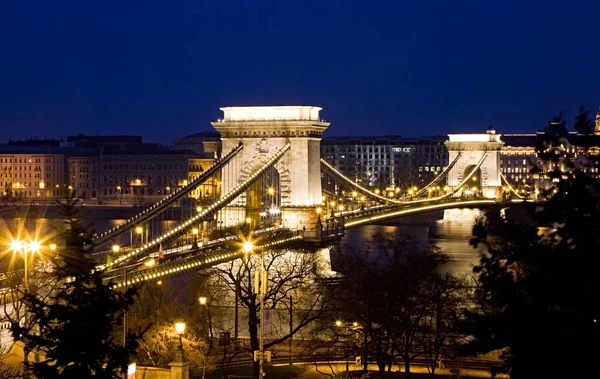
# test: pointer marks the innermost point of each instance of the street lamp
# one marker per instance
(139, 230)
(120, 195)
(248, 247)
(25, 248)
(179, 329)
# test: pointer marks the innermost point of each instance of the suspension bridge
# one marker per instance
(271, 188)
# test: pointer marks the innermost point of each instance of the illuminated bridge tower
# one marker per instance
(474, 150)
(296, 179)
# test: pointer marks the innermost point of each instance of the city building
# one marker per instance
(143, 177)
(107, 143)
(106, 170)
(34, 173)
(387, 161)
(203, 143)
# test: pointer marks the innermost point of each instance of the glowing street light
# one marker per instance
(139, 230)
(202, 300)
(338, 323)
(179, 329)
(116, 248)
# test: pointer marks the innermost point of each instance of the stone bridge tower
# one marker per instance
(264, 130)
(472, 148)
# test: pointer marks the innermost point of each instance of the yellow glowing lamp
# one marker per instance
(319, 210)
(180, 327)
(16, 245)
(195, 231)
(139, 230)
(198, 209)
(150, 262)
(52, 246)
(202, 300)
(116, 248)
(248, 220)
(338, 323)
(34, 246)
(248, 247)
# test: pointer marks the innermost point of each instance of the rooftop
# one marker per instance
(272, 113)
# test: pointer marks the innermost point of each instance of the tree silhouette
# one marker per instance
(75, 325)
(391, 302)
(583, 123)
(538, 284)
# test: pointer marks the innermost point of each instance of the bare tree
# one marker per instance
(440, 337)
(291, 288)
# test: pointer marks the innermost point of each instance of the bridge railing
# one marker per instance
(197, 258)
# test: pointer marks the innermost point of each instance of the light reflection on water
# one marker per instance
(451, 235)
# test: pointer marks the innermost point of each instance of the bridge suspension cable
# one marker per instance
(438, 178)
(455, 189)
(337, 173)
(167, 201)
(509, 186)
(204, 214)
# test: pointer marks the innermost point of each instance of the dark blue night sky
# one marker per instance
(163, 68)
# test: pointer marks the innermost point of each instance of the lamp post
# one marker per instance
(179, 329)
(25, 248)
(203, 300)
(260, 287)
(139, 231)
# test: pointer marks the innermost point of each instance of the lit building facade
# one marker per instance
(390, 161)
(33, 173)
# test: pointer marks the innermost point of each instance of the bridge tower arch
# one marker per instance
(264, 130)
(473, 148)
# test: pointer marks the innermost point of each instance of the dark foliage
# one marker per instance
(393, 301)
(75, 325)
(538, 286)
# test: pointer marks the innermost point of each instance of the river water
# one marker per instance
(450, 230)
